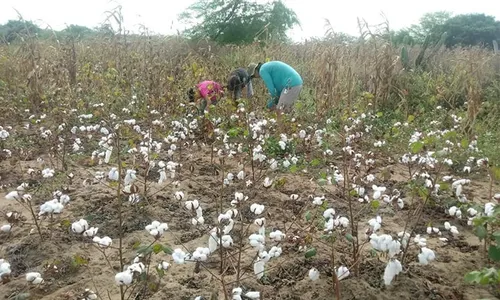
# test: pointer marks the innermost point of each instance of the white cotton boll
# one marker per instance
(253, 295)
(294, 197)
(179, 195)
(256, 240)
(124, 278)
(267, 182)
(230, 176)
(37, 280)
(452, 210)
(92, 231)
(342, 272)
(472, 212)
(489, 209)
(47, 173)
(277, 235)
(257, 209)
(426, 256)
(201, 254)
(14, 195)
(429, 230)
(329, 213)
(227, 241)
(79, 226)
(178, 256)
(392, 269)
(258, 268)
(237, 291)
(241, 175)
(198, 221)
(275, 251)
(313, 274)
(374, 224)
(318, 200)
(163, 265)
(447, 225)
(213, 241)
(401, 203)
(6, 228)
(454, 230)
(436, 230)
(109, 151)
(31, 276)
(192, 205)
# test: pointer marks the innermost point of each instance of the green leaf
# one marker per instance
(308, 216)
(167, 250)
(494, 253)
(496, 172)
(411, 118)
(160, 272)
(416, 147)
(496, 235)
(480, 232)
(310, 253)
(349, 237)
(464, 143)
(144, 250)
(294, 169)
(157, 248)
(315, 162)
(472, 277)
(379, 114)
(375, 204)
(322, 182)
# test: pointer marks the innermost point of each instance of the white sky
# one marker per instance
(161, 15)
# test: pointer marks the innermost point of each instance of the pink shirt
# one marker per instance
(208, 88)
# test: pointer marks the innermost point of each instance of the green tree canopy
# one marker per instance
(238, 21)
(11, 30)
(471, 30)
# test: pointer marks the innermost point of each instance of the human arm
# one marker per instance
(249, 89)
(268, 81)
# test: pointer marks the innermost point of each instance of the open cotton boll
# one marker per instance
(91, 232)
(252, 295)
(200, 254)
(375, 224)
(392, 269)
(124, 278)
(32, 276)
(256, 240)
(318, 200)
(294, 197)
(241, 175)
(156, 228)
(420, 241)
(178, 256)
(4, 268)
(329, 213)
(259, 267)
(47, 173)
(198, 221)
(90, 295)
(267, 182)
(313, 274)
(257, 208)
(277, 235)
(179, 195)
(6, 228)
(472, 212)
(14, 195)
(426, 256)
(227, 241)
(51, 207)
(192, 205)
(104, 242)
(342, 272)
(79, 226)
(275, 252)
(213, 240)
(163, 265)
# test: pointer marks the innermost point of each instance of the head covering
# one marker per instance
(251, 69)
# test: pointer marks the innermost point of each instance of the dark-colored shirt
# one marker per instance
(238, 79)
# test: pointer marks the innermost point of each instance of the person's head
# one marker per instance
(233, 82)
(253, 70)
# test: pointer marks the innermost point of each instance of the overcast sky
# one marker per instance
(161, 15)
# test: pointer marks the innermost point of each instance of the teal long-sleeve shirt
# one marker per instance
(277, 76)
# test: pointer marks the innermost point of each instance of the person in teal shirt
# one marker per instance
(282, 81)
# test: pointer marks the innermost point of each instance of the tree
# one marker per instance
(238, 21)
(15, 28)
(471, 30)
(77, 31)
(430, 24)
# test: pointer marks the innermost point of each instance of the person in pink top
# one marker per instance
(207, 92)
